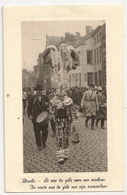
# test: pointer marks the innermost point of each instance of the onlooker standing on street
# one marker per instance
(24, 98)
(101, 113)
(43, 92)
(90, 104)
(35, 91)
(96, 89)
(37, 104)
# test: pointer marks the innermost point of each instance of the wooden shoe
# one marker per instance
(61, 160)
(65, 157)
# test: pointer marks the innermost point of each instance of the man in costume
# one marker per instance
(63, 118)
(38, 104)
(62, 62)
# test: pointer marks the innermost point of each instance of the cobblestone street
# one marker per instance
(89, 155)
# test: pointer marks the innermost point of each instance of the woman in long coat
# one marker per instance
(90, 104)
(102, 112)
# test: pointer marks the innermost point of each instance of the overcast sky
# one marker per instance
(34, 36)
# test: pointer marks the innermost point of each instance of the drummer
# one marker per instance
(37, 104)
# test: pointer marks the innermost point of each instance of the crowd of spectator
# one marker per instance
(76, 93)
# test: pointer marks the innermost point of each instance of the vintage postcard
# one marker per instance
(63, 89)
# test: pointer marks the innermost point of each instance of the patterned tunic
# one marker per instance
(63, 127)
(89, 102)
(63, 119)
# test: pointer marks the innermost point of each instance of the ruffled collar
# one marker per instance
(66, 102)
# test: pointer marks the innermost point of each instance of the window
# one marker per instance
(85, 77)
(80, 78)
(77, 76)
(90, 57)
(97, 55)
(76, 79)
(104, 61)
(69, 80)
(73, 80)
(104, 44)
(100, 53)
(99, 78)
(104, 53)
(97, 38)
(94, 40)
(89, 78)
(95, 78)
(100, 36)
(105, 79)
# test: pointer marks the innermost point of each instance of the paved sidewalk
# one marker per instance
(89, 155)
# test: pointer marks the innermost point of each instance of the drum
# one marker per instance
(42, 118)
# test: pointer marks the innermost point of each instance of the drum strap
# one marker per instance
(34, 100)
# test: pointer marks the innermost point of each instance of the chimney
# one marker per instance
(67, 35)
(77, 34)
(88, 29)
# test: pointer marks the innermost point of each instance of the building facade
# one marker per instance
(103, 45)
(28, 79)
(92, 49)
(93, 59)
(97, 50)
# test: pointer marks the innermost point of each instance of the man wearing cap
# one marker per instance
(90, 104)
(102, 112)
(37, 105)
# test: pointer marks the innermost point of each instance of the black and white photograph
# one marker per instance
(63, 92)
(64, 96)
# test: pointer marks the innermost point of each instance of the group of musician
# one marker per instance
(57, 108)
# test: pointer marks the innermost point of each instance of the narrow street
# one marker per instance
(89, 155)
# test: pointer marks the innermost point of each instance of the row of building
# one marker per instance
(92, 49)
(93, 59)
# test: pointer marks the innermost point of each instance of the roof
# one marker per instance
(81, 43)
(85, 38)
(96, 30)
(71, 39)
(89, 36)
(52, 40)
